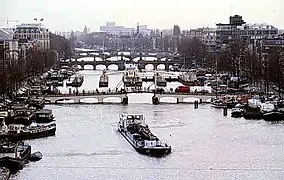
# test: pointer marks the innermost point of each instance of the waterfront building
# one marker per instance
(9, 49)
(34, 33)
(237, 29)
(206, 35)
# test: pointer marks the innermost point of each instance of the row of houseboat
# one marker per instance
(22, 119)
(254, 107)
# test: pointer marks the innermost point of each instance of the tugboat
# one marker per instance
(14, 155)
(18, 132)
(103, 80)
(138, 134)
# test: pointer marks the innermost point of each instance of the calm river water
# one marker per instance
(205, 144)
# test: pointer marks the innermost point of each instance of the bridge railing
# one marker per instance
(92, 93)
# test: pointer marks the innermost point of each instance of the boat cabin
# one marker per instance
(16, 128)
(128, 119)
(44, 114)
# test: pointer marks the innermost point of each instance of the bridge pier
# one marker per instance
(167, 67)
(121, 67)
(124, 100)
(155, 100)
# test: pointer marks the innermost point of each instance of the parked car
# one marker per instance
(182, 89)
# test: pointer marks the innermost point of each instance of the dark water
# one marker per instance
(205, 144)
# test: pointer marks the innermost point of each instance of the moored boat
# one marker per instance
(14, 155)
(103, 80)
(36, 156)
(217, 103)
(238, 111)
(43, 116)
(138, 134)
(17, 132)
(274, 115)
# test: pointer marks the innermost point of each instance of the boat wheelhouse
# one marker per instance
(138, 134)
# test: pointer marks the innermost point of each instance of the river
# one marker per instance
(205, 144)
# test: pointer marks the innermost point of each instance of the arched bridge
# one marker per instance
(121, 63)
(77, 98)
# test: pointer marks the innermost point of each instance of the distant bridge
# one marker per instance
(121, 63)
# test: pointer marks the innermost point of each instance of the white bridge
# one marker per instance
(55, 99)
(76, 98)
(180, 97)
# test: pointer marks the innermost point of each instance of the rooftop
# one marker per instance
(5, 36)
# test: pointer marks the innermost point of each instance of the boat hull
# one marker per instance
(151, 151)
(273, 116)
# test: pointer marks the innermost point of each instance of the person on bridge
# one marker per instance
(83, 92)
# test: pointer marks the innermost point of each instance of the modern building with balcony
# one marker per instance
(237, 29)
(33, 33)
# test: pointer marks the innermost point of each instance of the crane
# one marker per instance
(9, 21)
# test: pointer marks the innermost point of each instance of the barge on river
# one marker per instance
(138, 134)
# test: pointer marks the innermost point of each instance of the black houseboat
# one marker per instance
(138, 134)
(17, 132)
(43, 116)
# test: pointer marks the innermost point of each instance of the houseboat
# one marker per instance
(103, 80)
(43, 116)
(76, 81)
(21, 116)
(137, 133)
(132, 79)
(14, 155)
(238, 111)
(18, 132)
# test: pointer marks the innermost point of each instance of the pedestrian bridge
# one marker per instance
(100, 96)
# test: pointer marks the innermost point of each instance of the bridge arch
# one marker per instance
(113, 67)
(92, 100)
(111, 99)
(64, 101)
(100, 66)
(169, 99)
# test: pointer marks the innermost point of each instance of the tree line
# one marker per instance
(30, 63)
(238, 58)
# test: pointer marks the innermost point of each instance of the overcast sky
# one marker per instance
(66, 15)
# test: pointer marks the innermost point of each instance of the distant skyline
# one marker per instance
(67, 15)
